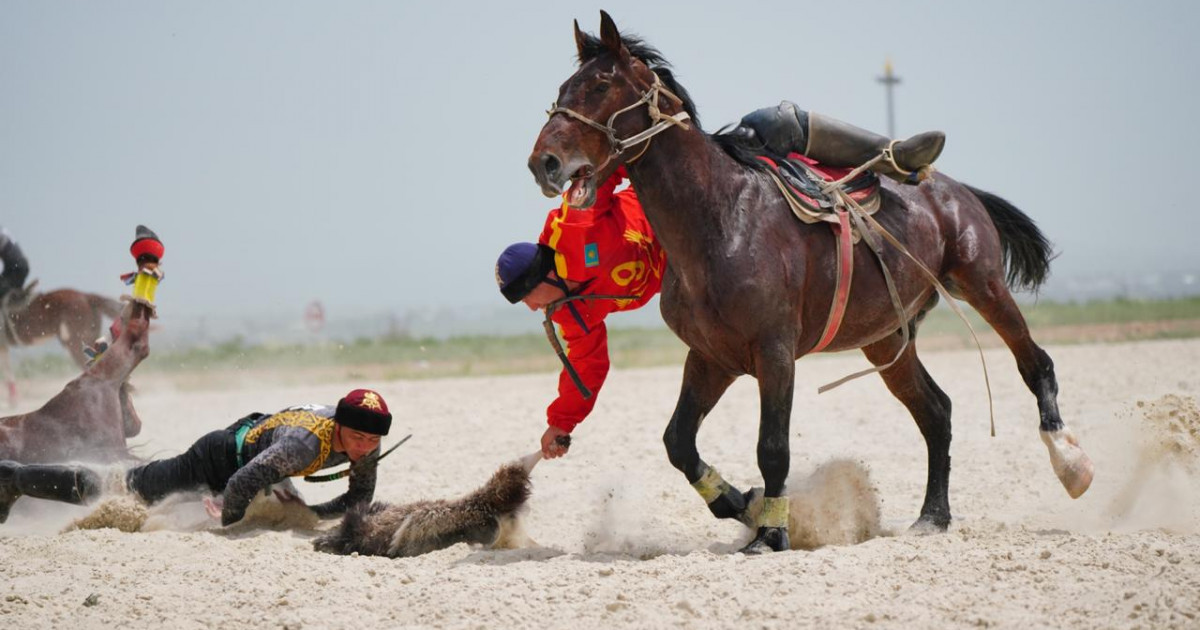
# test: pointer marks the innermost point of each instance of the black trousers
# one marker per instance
(209, 463)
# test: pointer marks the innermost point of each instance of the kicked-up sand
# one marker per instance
(616, 537)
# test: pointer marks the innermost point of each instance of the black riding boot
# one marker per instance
(8, 490)
(786, 128)
(69, 484)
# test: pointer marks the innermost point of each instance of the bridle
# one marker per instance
(660, 122)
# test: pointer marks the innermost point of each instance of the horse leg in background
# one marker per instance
(10, 380)
(703, 384)
(911, 384)
(994, 302)
(776, 367)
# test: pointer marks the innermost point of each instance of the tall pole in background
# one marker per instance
(888, 80)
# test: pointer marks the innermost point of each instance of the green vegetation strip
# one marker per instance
(406, 357)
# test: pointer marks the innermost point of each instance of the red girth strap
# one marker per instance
(845, 271)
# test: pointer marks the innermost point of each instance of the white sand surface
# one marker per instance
(623, 541)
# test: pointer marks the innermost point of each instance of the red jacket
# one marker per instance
(611, 250)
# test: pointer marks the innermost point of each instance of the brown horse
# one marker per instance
(749, 287)
(74, 317)
(92, 416)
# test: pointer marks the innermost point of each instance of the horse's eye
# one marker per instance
(601, 87)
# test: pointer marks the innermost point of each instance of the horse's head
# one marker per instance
(605, 114)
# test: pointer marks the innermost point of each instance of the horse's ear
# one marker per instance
(580, 40)
(612, 37)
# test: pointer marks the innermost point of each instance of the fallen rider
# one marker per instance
(237, 462)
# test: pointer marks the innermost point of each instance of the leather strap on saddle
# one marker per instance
(845, 273)
(797, 178)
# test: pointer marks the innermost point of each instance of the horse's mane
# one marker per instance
(593, 47)
(743, 152)
(741, 149)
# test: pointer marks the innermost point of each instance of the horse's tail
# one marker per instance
(108, 307)
(1027, 252)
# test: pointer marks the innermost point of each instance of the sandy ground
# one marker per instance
(624, 542)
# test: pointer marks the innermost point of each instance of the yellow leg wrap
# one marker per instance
(774, 512)
(711, 485)
(144, 286)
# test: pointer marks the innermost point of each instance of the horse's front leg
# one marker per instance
(776, 382)
(703, 384)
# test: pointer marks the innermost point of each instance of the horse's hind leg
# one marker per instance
(703, 384)
(911, 384)
(990, 296)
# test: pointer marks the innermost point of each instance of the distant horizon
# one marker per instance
(502, 319)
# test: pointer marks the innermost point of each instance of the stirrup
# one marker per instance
(911, 178)
(889, 156)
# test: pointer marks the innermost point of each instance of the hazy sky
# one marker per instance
(372, 154)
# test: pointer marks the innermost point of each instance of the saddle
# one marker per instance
(803, 183)
(801, 178)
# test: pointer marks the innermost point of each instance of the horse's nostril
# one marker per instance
(551, 165)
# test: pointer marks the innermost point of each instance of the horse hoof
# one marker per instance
(1072, 466)
(768, 539)
(927, 525)
(753, 499)
(731, 504)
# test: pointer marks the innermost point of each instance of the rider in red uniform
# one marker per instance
(608, 249)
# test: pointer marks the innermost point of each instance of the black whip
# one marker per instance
(557, 345)
(342, 473)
